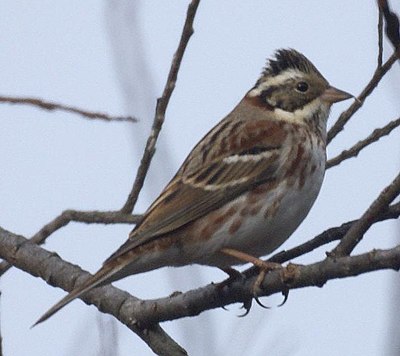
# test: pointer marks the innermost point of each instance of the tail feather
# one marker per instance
(103, 276)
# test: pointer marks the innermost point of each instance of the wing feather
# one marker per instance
(196, 191)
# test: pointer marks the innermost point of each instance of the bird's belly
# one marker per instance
(259, 221)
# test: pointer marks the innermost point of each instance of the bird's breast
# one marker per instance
(260, 220)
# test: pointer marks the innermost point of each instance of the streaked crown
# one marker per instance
(289, 59)
(289, 81)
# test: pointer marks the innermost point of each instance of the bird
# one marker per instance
(244, 188)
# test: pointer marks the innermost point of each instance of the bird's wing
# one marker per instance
(209, 178)
(199, 188)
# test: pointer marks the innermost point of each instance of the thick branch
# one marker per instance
(135, 313)
(47, 105)
(373, 83)
(161, 108)
(358, 229)
(355, 150)
(38, 262)
(212, 296)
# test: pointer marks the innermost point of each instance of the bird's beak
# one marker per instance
(333, 95)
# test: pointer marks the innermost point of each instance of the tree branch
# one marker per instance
(369, 88)
(142, 316)
(137, 314)
(88, 217)
(392, 25)
(380, 38)
(47, 105)
(161, 108)
(355, 150)
(1, 338)
(38, 262)
(330, 235)
(358, 229)
(194, 302)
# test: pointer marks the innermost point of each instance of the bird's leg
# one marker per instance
(263, 266)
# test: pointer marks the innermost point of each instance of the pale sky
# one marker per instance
(68, 51)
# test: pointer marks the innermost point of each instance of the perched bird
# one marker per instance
(244, 188)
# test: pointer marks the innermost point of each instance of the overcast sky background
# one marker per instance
(114, 56)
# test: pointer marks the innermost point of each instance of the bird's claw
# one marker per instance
(234, 275)
(247, 306)
(261, 304)
(285, 294)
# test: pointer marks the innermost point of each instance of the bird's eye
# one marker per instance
(302, 87)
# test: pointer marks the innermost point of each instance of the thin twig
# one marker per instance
(330, 235)
(161, 108)
(88, 217)
(47, 105)
(67, 216)
(392, 25)
(355, 150)
(380, 38)
(373, 83)
(357, 230)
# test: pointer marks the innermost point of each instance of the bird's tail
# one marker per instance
(104, 275)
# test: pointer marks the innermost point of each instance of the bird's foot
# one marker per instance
(263, 266)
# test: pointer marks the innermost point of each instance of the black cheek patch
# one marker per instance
(267, 93)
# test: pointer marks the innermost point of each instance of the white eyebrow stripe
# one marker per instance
(276, 81)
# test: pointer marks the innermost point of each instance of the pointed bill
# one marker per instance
(334, 95)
